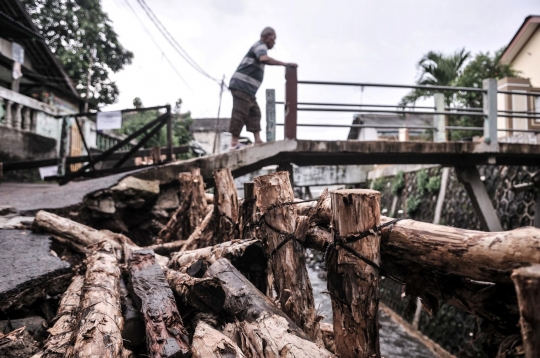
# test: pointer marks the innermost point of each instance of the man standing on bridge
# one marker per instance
(244, 85)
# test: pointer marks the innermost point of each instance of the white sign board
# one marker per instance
(48, 171)
(17, 52)
(109, 120)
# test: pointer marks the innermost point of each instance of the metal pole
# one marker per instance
(217, 139)
(490, 111)
(270, 115)
(169, 135)
(291, 102)
(439, 120)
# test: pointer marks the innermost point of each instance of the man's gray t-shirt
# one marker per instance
(249, 75)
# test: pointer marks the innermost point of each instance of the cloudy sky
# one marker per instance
(378, 41)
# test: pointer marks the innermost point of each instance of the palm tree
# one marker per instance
(437, 69)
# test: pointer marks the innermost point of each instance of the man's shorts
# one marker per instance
(245, 112)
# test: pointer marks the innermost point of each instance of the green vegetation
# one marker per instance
(426, 183)
(412, 204)
(379, 184)
(434, 184)
(439, 69)
(181, 124)
(398, 183)
(73, 29)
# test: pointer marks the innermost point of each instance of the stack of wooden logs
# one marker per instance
(228, 279)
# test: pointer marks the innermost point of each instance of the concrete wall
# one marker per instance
(528, 59)
(19, 145)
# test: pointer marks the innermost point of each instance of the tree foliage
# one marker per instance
(73, 29)
(181, 125)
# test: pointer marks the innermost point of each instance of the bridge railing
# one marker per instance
(440, 111)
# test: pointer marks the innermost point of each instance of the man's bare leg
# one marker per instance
(257, 136)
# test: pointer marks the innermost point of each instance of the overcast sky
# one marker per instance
(378, 41)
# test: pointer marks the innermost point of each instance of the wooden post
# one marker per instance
(270, 115)
(291, 102)
(352, 282)
(169, 135)
(288, 257)
(527, 282)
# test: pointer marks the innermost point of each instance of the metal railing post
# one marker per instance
(169, 135)
(490, 111)
(439, 120)
(270, 115)
(291, 102)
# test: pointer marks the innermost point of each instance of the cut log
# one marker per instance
(354, 283)
(482, 256)
(17, 343)
(167, 248)
(249, 209)
(28, 269)
(79, 236)
(203, 233)
(247, 256)
(134, 329)
(225, 207)
(323, 210)
(211, 343)
(262, 329)
(66, 320)
(178, 224)
(100, 322)
(318, 238)
(203, 294)
(288, 258)
(527, 281)
(328, 336)
(165, 332)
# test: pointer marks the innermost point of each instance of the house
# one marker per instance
(35, 92)
(523, 53)
(386, 127)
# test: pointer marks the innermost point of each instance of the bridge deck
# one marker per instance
(299, 152)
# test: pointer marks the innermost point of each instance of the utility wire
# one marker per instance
(155, 43)
(172, 41)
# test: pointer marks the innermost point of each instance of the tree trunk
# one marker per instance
(291, 279)
(211, 343)
(134, 330)
(99, 333)
(323, 209)
(203, 233)
(527, 281)
(262, 330)
(353, 283)
(190, 212)
(247, 256)
(226, 207)
(249, 209)
(66, 320)
(79, 236)
(482, 256)
(203, 294)
(165, 332)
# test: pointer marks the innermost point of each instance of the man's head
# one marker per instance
(268, 36)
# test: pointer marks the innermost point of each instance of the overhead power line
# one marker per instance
(155, 42)
(172, 41)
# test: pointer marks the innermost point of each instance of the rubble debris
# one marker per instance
(36, 326)
(17, 343)
(208, 342)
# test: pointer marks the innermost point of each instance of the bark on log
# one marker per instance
(318, 238)
(99, 332)
(249, 209)
(203, 233)
(66, 319)
(354, 284)
(165, 332)
(262, 329)
(190, 212)
(247, 256)
(67, 231)
(203, 294)
(323, 209)
(482, 256)
(133, 332)
(211, 343)
(225, 207)
(167, 248)
(288, 259)
(328, 336)
(527, 281)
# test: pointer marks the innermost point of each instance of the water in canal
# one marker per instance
(394, 340)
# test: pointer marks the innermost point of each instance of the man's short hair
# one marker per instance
(267, 32)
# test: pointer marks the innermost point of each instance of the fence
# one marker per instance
(440, 111)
